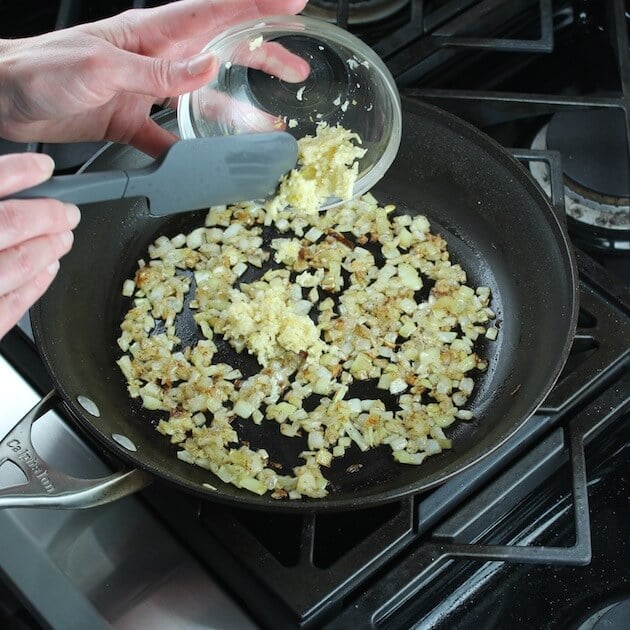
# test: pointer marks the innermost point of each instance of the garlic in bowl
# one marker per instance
(260, 87)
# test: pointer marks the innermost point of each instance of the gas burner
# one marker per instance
(360, 11)
(596, 170)
(594, 151)
(612, 617)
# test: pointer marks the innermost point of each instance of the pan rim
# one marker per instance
(330, 504)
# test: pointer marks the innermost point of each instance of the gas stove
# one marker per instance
(535, 535)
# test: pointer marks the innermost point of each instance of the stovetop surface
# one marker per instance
(431, 561)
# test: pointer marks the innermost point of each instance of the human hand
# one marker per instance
(34, 235)
(99, 81)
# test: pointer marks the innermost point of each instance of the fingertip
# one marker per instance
(203, 63)
(306, 69)
(298, 71)
(66, 239)
(45, 163)
(294, 6)
(52, 269)
(73, 215)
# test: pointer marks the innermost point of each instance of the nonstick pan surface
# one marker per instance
(499, 226)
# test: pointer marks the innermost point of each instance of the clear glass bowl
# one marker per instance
(348, 85)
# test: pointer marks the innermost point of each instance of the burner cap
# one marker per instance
(613, 617)
(594, 149)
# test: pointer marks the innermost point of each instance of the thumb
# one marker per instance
(160, 78)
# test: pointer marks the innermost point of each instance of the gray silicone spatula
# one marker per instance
(192, 174)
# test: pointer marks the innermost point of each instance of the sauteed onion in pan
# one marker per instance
(358, 293)
(344, 300)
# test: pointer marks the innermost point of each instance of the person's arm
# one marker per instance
(99, 81)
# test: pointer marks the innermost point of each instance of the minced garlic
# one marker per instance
(256, 43)
(266, 322)
(327, 167)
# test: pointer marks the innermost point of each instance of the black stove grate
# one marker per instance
(431, 586)
(306, 570)
(513, 97)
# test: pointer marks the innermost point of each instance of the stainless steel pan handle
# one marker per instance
(49, 488)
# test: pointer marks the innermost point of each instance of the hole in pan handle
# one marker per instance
(50, 488)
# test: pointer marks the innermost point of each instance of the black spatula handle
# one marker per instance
(78, 189)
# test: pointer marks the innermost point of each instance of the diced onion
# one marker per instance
(129, 286)
(326, 314)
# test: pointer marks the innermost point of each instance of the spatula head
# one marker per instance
(196, 174)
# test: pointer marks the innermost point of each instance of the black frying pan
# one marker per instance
(499, 226)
